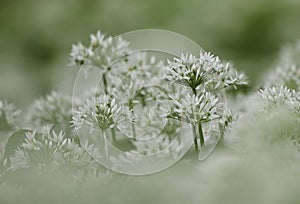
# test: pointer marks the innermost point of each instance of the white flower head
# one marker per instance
(277, 97)
(196, 109)
(53, 109)
(98, 112)
(101, 52)
(206, 72)
(50, 149)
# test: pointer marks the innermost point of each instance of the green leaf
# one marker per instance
(14, 141)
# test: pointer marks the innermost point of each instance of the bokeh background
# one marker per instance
(36, 35)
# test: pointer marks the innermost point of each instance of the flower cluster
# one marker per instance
(101, 52)
(53, 109)
(98, 112)
(276, 97)
(196, 109)
(8, 115)
(206, 72)
(205, 76)
(49, 149)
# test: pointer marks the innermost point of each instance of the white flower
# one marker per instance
(98, 112)
(101, 52)
(196, 109)
(206, 72)
(97, 40)
(80, 54)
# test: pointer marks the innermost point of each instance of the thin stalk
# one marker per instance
(113, 135)
(130, 105)
(133, 130)
(195, 138)
(105, 83)
(200, 131)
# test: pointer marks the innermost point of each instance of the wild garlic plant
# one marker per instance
(130, 97)
(206, 76)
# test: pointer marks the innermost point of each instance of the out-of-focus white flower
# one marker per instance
(53, 109)
(101, 52)
(8, 115)
(80, 54)
(288, 75)
(290, 55)
(276, 97)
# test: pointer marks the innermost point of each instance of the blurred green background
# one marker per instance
(36, 35)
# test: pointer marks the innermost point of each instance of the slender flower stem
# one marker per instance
(133, 130)
(105, 83)
(195, 137)
(200, 131)
(113, 135)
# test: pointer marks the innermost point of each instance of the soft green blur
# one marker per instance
(36, 36)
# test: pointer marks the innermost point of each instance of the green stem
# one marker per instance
(200, 131)
(113, 135)
(105, 83)
(195, 138)
(133, 130)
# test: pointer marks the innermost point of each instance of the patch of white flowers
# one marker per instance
(139, 97)
(205, 76)
(50, 150)
(281, 96)
(53, 109)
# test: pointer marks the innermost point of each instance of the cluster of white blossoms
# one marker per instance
(51, 150)
(101, 52)
(53, 109)
(206, 72)
(196, 109)
(205, 76)
(8, 115)
(280, 96)
(98, 112)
